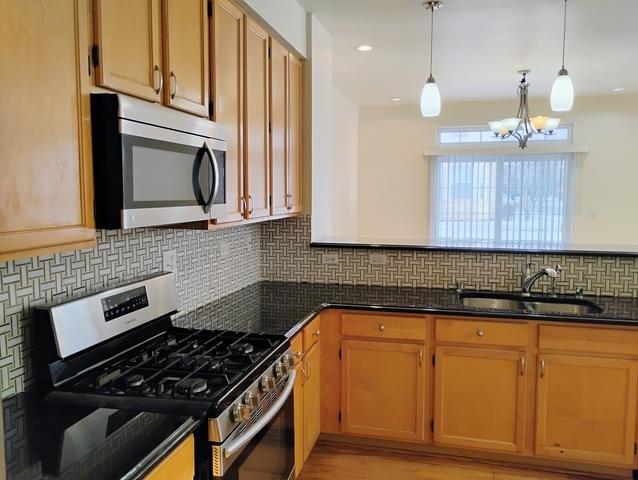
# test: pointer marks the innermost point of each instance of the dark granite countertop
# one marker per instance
(284, 307)
(47, 441)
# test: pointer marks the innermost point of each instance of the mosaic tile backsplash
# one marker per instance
(287, 256)
(209, 264)
(214, 264)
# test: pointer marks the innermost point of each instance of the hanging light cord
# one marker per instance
(432, 35)
(564, 32)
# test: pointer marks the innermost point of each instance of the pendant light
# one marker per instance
(562, 98)
(430, 96)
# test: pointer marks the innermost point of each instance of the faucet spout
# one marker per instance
(529, 282)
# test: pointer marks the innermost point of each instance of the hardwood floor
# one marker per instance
(340, 462)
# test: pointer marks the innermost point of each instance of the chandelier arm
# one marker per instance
(564, 32)
(432, 37)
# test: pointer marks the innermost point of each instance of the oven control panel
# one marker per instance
(124, 303)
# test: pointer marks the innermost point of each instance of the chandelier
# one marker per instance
(522, 127)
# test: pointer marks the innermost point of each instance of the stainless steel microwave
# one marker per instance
(153, 165)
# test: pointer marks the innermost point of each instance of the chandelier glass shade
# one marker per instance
(430, 95)
(522, 126)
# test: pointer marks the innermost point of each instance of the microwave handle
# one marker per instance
(215, 166)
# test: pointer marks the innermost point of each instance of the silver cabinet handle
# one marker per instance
(309, 370)
(173, 81)
(381, 327)
(160, 79)
(256, 427)
(542, 369)
(289, 203)
(522, 363)
(420, 357)
(242, 205)
(250, 204)
(480, 332)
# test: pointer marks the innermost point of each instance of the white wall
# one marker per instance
(321, 118)
(345, 163)
(286, 17)
(393, 200)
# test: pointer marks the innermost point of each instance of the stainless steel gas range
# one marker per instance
(118, 348)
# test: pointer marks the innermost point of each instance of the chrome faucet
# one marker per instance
(530, 279)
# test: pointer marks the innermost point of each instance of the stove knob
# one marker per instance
(281, 369)
(251, 400)
(240, 413)
(267, 383)
(289, 360)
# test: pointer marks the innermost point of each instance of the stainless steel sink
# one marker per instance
(533, 304)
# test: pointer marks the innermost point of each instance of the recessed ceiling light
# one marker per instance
(619, 89)
(364, 48)
(396, 99)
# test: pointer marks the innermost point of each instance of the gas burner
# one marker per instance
(135, 380)
(166, 385)
(192, 386)
(242, 348)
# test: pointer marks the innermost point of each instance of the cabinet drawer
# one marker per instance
(311, 334)
(481, 332)
(383, 326)
(296, 344)
(588, 339)
(179, 465)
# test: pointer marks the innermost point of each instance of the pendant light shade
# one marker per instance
(430, 99)
(430, 95)
(562, 98)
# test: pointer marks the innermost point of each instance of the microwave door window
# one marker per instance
(162, 177)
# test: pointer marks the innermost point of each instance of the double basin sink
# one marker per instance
(517, 302)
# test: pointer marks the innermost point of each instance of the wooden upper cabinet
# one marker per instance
(295, 135)
(128, 36)
(186, 57)
(479, 398)
(227, 82)
(383, 389)
(256, 154)
(279, 127)
(45, 182)
(586, 409)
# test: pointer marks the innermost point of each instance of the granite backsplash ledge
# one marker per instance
(287, 256)
(210, 265)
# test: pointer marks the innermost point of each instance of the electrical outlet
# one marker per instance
(330, 259)
(224, 249)
(378, 259)
(169, 261)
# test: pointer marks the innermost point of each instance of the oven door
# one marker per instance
(265, 450)
(169, 176)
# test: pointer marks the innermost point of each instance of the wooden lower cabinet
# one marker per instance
(312, 399)
(179, 465)
(586, 408)
(383, 389)
(479, 398)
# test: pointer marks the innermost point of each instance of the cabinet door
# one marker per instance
(128, 36)
(586, 409)
(256, 161)
(228, 99)
(479, 398)
(383, 389)
(312, 405)
(295, 134)
(279, 127)
(299, 394)
(186, 55)
(45, 179)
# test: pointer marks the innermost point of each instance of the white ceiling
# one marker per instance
(479, 46)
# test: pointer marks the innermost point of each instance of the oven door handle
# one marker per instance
(256, 427)
(215, 166)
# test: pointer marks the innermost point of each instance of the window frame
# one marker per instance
(482, 129)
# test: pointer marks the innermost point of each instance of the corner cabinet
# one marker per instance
(164, 55)
(46, 181)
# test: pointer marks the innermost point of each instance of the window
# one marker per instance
(473, 135)
(505, 200)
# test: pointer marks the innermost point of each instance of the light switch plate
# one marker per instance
(330, 259)
(378, 259)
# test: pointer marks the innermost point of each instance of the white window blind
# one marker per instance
(518, 200)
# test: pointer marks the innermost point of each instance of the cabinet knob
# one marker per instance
(381, 327)
(317, 333)
(480, 332)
